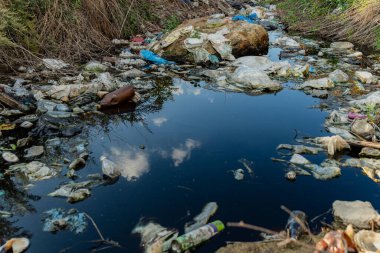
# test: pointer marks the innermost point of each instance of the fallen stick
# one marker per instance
(12, 103)
(285, 240)
(367, 144)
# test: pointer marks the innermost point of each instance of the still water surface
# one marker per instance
(191, 146)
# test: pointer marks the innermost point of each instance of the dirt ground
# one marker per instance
(264, 247)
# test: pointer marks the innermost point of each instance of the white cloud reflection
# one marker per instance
(132, 163)
(159, 121)
(184, 151)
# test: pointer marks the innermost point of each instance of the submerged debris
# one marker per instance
(57, 219)
(154, 237)
(17, 245)
(238, 174)
(74, 192)
(333, 144)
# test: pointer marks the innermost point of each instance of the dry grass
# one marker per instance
(82, 29)
(359, 24)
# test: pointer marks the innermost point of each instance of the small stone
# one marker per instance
(77, 110)
(24, 142)
(55, 142)
(34, 151)
(101, 94)
(10, 157)
(291, 175)
(26, 124)
(77, 164)
(370, 152)
(320, 54)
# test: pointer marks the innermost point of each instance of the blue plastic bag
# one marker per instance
(152, 57)
(250, 19)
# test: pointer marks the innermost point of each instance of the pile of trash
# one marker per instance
(158, 239)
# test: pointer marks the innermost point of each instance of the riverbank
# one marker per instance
(135, 141)
(354, 21)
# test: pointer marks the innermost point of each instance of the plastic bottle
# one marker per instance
(196, 237)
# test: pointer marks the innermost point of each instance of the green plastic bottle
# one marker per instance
(196, 237)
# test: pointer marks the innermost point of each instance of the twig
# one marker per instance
(242, 224)
(95, 226)
(317, 217)
(125, 18)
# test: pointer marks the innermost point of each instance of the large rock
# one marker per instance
(196, 39)
(358, 213)
(249, 78)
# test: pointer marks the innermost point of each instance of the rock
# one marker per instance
(291, 175)
(95, 67)
(34, 151)
(24, 142)
(299, 160)
(54, 64)
(26, 124)
(324, 173)
(370, 152)
(133, 73)
(286, 42)
(358, 213)
(252, 79)
(341, 46)
(77, 164)
(338, 76)
(323, 83)
(365, 77)
(10, 157)
(237, 37)
(362, 128)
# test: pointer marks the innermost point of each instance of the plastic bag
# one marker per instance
(152, 57)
